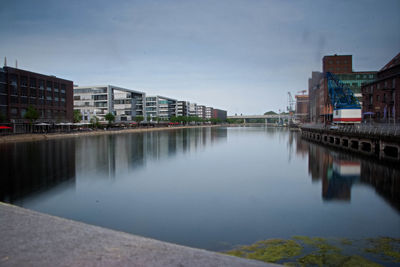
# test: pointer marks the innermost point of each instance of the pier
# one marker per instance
(373, 140)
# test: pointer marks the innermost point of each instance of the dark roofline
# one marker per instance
(35, 73)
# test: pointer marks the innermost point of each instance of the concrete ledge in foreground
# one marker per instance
(30, 238)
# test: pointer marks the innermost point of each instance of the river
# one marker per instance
(211, 188)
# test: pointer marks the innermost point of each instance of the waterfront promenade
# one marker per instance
(35, 239)
(47, 136)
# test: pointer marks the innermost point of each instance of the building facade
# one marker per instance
(192, 109)
(301, 113)
(182, 108)
(219, 114)
(209, 112)
(381, 97)
(201, 111)
(124, 104)
(160, 107)
(320, 108)
(51, 96)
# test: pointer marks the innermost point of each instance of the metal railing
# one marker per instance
(371, 129)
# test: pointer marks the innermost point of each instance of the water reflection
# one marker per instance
(39, 166)
(339, 172)
(36, 166)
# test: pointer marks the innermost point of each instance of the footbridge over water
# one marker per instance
(266, 117)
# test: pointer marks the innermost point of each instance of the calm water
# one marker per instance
(211, 188)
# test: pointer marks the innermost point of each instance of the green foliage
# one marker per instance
(270, 113)
(234, 121)
(31, 114)
(95, 122)
(139, 119)
(77, 115)
(109, 117)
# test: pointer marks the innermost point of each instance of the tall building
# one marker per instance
(337, 64)
(124, 104)
(302, 108)
(49, 95)
(313, 89)
(160, 107)
(381, 97)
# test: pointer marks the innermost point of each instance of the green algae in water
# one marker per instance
(317, 251)
(386, 247)
(271, 250)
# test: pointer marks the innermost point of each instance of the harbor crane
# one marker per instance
(346, 107)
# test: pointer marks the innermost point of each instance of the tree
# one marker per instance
(270, 113)
(95, 122)
(77, 115)
(109, 117)
(31, 114)
(139, 119)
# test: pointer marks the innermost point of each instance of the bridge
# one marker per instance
(266, 117)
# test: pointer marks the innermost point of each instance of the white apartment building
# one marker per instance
(209, 112)
(97, 101)
(160, 107)
(192, 109)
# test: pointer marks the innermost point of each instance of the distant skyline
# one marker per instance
(239, 55)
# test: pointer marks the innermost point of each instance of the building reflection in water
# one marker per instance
(32, 167)
(339, 171)
(28, 168)
(118, 154)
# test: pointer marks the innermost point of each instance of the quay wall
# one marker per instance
(375, 143)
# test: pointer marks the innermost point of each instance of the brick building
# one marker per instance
(382, 97)
(52, 97)
(302, 108)
(219, 114)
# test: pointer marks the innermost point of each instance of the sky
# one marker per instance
(242, 56)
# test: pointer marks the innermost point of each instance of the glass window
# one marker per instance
(24, 81)
(3, 88)
(41, 84)
(32, 82)
(14, 111)
(48, 85)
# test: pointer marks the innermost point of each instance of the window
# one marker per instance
(3, 88)
(56, 87)
(378, 86)
(371, 100)
(14, 111)
(24, 81)
(386, 84)
(3, 100)
(41, 84)
(393, 96)
(32, 82)
(63, 88)
(48, 85)
(378, 98)
(394, 83)
(77, 97)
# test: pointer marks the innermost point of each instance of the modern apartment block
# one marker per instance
(382, 97)
(182, 108)
(192, 109)
(160, 107)
(209, 112)
(97, 101)
(201, 111)
(51, 96)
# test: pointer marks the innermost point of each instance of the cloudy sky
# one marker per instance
(239, 55)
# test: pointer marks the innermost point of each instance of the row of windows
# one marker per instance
(43, 113)
(388, 84)
(33, 83)
(90, 90)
